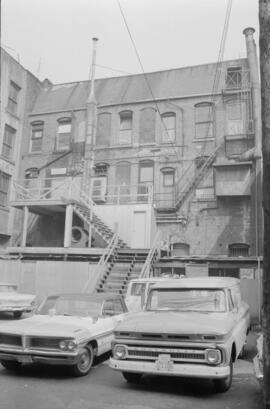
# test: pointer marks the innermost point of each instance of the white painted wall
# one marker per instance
(123, 216)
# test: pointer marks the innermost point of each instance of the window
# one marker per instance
(238, 250)
(36, 136)
(13, 97)
(234, 77)
(147, 125)
(235, 117)
(4, 188)
(103, 129)
(63, 137)
(204, 120)
(101, 169)
(122, 176)
(8, 142)
(168, 127)
(146, 172)
(125, 132)
(168, 177)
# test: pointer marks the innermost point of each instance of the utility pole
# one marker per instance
(264, 19)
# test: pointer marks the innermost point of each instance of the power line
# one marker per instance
(145, 77)
(113, 69)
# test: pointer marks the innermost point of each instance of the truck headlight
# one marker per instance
(119, 351)
(213, 356)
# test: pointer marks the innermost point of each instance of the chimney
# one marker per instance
(255, 87)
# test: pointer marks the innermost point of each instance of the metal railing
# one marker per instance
(69, 188)
(146, 269)
(102, 265)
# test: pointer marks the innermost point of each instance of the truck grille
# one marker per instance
(176, 354)
(12, 340)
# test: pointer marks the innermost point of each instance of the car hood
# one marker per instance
(177, 323)
(44, 325)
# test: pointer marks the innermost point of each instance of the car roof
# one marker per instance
(201, 282)
(92, 296)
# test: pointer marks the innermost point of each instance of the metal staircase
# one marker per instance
(186, 185)
(123, 266)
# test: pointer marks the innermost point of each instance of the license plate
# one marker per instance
(24, 359)
(164, 363)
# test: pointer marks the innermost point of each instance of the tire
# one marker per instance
(224, 384)
(17, 314)
(11, 365)
(132, 377)
(85, 361)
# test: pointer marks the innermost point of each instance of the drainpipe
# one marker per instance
(91, 120)
(256, 108)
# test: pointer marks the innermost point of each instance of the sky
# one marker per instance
(52, 38)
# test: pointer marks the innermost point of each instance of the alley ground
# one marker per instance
(41, 387)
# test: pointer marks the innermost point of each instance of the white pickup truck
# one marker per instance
(191, 327)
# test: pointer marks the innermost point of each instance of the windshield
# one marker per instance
(195, 300)
(71, 305)
(7, 288)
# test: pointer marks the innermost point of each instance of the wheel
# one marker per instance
(224, 384)
(85, 361)
(132, 377)
(11, 365)
(17, 314)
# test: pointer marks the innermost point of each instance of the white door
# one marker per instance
(139, 230)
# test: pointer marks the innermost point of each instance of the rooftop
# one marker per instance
(204, 282)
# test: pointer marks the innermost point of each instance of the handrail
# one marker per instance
(185, 186)
(100, 267)
(147, 264)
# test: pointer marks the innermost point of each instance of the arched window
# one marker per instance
(147, 125)
(238, 249)
(168, 176)
(36, 136)
(63, 137)
(125, 128)
(168, 127)
(204, 119)
(103, 129)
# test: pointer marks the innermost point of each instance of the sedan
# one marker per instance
(67, 329)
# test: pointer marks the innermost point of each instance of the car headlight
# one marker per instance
(119, 351)
(68, 344)
(213, 356)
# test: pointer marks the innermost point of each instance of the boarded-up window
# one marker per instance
(235, 117)
(103, 129)
(125, 131)
(147, 125)
(234, 77)
(204, 118)
(168, 127)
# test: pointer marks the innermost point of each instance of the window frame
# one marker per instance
(36, 126)
(126, 114)
(105, 137)
(10, 147)
(61, 122)
(4, 192)
(143, 164)
(13, 97)
(168, 171)
(209, 121)
(166, 131)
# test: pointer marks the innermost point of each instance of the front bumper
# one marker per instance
(13, 308)
(30, 357)
(183, 369)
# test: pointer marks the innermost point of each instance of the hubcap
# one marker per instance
(84, 360)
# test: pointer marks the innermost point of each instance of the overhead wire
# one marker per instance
(216, 75)
(145, 77)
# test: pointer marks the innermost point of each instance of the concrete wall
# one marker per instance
(46, 277)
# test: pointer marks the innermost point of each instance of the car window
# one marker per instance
(138, 289)
(236, 296)
(230, 301)
(199, 300)
(108, 308)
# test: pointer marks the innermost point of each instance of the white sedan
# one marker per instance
(68, 329)
(13, 301)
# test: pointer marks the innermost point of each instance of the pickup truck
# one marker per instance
(190, 327)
